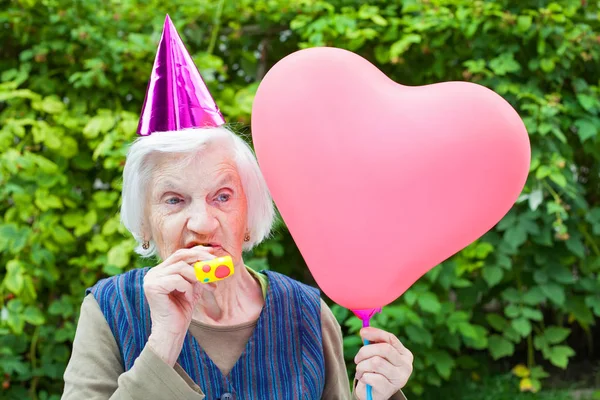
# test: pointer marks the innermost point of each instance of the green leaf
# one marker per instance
(556, 334)
(410, 297)
(504, 64)
(560, 273)
(61, 307)
(586, 129)
(524, 22)
(534, 296)
(64, 334)
(577, 307)
(118, 256)
(530, 313)
(379, 20)
(478, 340)
(503, 261)
(72, 219)
(515, 236)
(419, 335)
(535, 199)
(540, 276)
(587, 102)
(547, 64)
(461, 283)
(559, 356)
(429, 302)
(512, 311)
(443, 363)
(29, 293)
(511, 294)
(553, 292)
(593, 301)
(69, 147)
(542, 172)
(13, 280)
(467, 330)
(433, 273)
(559, 179)
(33, 316)
(61, 235)
(402, 45)
(512, 335)
(500, 347)
(538, 372)
(509, 220)
(492, 275)
(98, 124)
(496, 321)
(45, 201)
(52, 105)
(575, 245)
(105, 199)
(15, 322)
(522, 326)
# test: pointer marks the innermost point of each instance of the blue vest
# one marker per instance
(283, 358)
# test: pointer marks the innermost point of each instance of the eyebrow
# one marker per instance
(225, 180)
(170, 185)
(167, 185)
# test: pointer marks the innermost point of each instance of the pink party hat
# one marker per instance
(177, 97)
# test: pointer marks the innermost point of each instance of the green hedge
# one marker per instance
(73, 78)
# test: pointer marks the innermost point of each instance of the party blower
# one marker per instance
(406, 175)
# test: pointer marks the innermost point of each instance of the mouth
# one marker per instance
(211, 245)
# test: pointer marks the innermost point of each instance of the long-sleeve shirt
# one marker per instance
(95, 370)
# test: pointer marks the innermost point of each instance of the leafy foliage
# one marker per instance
(74, 77)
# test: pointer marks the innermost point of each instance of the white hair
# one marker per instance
(139, 168)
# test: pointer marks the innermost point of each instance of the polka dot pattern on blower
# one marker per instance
(214, 270)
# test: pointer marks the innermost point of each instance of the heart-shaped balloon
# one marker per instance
(380, 182)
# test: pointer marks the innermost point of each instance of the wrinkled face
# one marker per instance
(197, 202)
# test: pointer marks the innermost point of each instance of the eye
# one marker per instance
(173, 200)
(223, 197)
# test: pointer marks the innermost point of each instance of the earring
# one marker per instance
(247, 237)
(146, 245)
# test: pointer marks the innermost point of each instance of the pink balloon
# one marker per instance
(379, 182)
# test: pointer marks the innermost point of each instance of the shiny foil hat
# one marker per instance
(177, 97)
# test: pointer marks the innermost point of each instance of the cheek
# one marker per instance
(167, 231)
(235, 225)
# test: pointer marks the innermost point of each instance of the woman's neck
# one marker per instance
(235, 300)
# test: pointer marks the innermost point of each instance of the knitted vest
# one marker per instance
(283, 358)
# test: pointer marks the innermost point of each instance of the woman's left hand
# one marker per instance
(385, 364)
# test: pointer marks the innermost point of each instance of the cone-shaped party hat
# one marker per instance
(177, 97)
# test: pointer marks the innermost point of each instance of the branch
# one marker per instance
(261, 70)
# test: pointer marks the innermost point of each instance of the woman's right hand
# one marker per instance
(172, 291)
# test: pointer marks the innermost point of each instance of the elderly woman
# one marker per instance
(159, 333)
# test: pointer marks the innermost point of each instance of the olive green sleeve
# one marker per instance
(95, 371)
(337, 386)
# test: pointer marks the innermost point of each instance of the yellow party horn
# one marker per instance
(214, 270)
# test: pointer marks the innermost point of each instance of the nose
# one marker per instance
(201, 219)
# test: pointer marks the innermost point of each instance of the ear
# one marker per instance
(146, 231)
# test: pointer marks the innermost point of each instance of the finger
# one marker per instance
(380, 366)
(376, 335)
(360, 391)
(181, 268)
(383, 350)
(190, 256)
(380, 387)
(171, 283)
